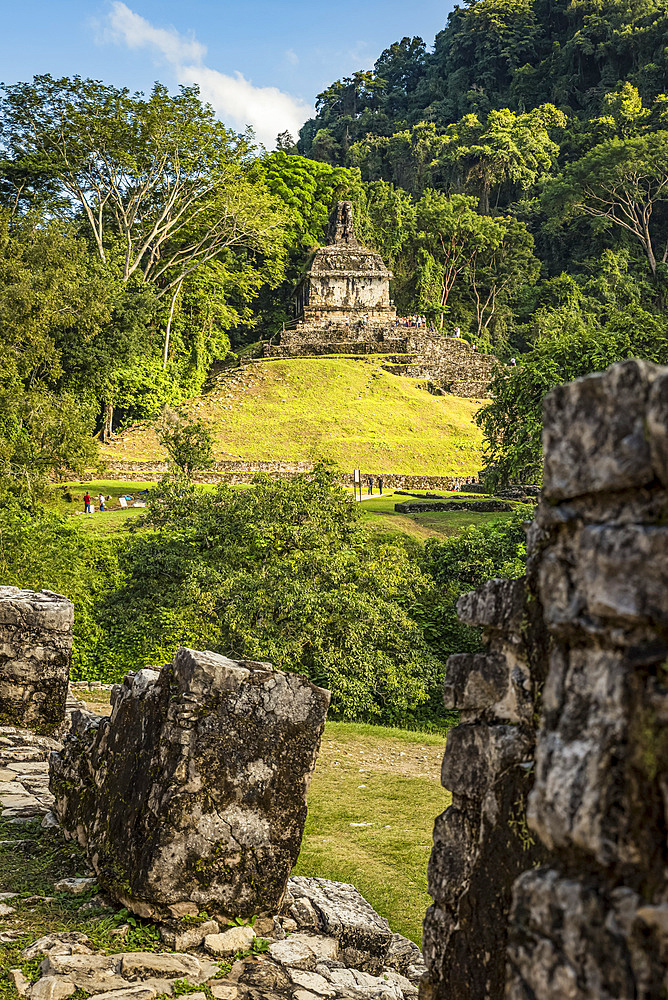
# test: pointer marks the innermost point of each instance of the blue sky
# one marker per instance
(258, 61)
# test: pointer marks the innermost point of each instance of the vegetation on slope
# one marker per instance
(350, 412)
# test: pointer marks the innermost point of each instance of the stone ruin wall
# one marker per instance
(566, 712)
(35, 657)
(244, 472)
(448, 362)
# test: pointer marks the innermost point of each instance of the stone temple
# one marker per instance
(344, 280)
(343, 306)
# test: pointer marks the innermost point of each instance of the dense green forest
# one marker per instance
(514, 176)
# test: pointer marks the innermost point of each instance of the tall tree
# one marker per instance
(624, 183)
(158, 180)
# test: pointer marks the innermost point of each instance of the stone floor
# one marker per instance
(24, 769)
(24, 773)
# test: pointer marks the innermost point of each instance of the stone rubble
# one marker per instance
(305, 964)
(24, 773)
(325, 941)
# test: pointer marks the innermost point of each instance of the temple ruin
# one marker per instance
(343, 306)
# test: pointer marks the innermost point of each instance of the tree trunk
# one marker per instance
(107, 418)
(650, 251)
(169, 323)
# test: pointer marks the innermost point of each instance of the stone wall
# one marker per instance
(450, 363)
(244, 472)
(310, 338)
(35, 657)
(591, 621)
(481, 842)
(594, 921)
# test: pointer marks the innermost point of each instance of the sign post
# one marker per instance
(357, 481)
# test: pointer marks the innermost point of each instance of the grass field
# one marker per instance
(107, 522)
(347, 410)
(372, 804)
(379, 513)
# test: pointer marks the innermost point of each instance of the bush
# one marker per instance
(43, 552)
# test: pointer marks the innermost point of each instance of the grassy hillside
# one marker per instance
(347, 410)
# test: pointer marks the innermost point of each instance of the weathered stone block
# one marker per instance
(194, 790)
(497, 604)
(477, 755)
(338, 910)
(571, 938)
(594, 432)
(657, 426)
(495, 685)
(35, 656)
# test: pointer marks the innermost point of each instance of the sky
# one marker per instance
(258, 62)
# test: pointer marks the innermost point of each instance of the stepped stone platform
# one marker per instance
(449, 364)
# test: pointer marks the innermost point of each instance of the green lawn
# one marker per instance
(347, 410)
(389, 779)
(379, 513)
(114, 519)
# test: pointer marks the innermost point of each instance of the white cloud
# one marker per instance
(138, 33)
(235, 99)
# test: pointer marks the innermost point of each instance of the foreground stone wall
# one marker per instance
(192, 795)
(594, 922)
(591, 921)
(481, 842)
(35, 657)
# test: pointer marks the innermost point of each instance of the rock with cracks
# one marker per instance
(191, 796)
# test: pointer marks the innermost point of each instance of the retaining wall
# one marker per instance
(235, 473)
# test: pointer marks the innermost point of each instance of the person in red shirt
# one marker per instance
(87, 509)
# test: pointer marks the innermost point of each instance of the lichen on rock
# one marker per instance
(192, 794)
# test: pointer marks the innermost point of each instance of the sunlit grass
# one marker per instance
(386, 860)
(349, 411)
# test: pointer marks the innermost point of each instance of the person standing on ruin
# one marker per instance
(370, 485)
(380, 485)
